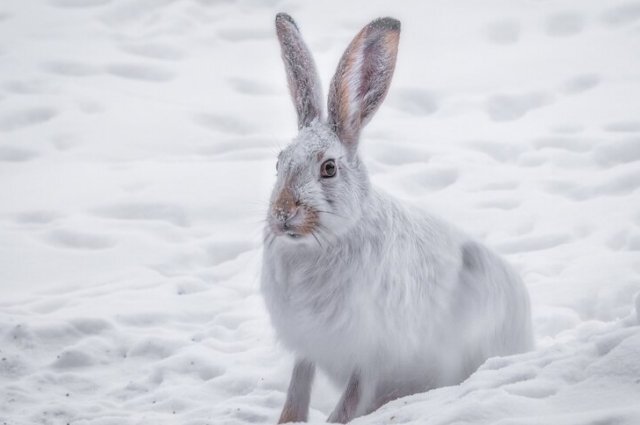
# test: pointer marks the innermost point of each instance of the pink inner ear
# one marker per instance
(363, 78)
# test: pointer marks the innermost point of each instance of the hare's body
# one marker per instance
(385, 298)
(406, 300)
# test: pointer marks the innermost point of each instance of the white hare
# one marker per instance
(384, 298)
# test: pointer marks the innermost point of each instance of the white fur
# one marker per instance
(391, 297)
(381, 289)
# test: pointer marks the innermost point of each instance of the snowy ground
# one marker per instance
(137, 150)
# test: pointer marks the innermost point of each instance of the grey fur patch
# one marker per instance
(472, 257)
(302, 77)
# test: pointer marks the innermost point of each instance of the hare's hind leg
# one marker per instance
(348, 405)
(296, 408)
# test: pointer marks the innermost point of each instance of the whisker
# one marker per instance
(316, 238)
(273, 238)
(330, 235)
(332, 213)
(323, 237)
(323, 231)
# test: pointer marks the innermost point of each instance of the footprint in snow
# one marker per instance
(220, 252)
(184, 364)
(244, 34)
(70, 68)
(153, 211)
(90, 106)
(251, 87)
(415, 101)
(567, 128)
(501, 204)
(133, 12)
(622, 14)
(239, 144)
(623, 127)
(618, 152)
(140, 72)
(224, 123)
(154, 348)
(626, 240)
(580, 83)
(72, 359)
(78, 3)
(510, 107)
(91, 325)
(397, 154)
(533, 243)
(500, 185)
(502, 152)
(23, 87)
(79, 240)
(13, 154)
(191, 286)
(432, 178)
(36, 217)
(64, 141)
(154, 51)
(618, 185)
(503, 32)
(12, 367)
(143, 320)
(25, 118)
(570, 144)
(564, 24)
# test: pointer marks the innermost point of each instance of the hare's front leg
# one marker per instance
(348, 405)
(296, 408)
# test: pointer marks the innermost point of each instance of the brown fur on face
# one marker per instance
(311, 219)
(286, 202)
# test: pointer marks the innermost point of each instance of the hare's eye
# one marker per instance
(328, 168)
(277, 162)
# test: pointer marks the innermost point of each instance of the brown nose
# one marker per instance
(285, 207)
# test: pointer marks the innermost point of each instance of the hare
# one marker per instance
(383, 297)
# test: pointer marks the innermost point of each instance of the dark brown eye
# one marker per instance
(328, 168)
(277, 162)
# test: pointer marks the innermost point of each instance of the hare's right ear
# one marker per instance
(304, 84)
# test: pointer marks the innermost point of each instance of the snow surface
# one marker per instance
(137, 150)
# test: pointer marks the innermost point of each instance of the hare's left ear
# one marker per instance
(302, 76)
(362, 79)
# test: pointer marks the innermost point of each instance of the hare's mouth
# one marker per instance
(291, 231)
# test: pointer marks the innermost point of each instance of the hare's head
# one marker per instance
(321, 183)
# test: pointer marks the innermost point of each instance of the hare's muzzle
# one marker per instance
(292, 218)
(285, 220)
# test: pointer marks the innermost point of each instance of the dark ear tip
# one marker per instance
(283, 17)
(386, 23)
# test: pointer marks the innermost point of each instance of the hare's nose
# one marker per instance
(285, 213)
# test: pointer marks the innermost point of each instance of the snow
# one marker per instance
(138, 143)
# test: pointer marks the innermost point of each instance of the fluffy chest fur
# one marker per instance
(367, 299)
